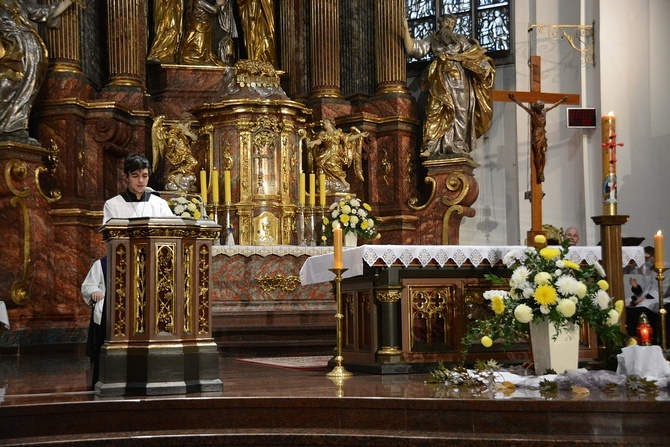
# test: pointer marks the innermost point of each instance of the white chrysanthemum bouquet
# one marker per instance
(351, 215)
(544, 285)
(184, 207)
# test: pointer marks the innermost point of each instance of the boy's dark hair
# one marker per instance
(136, 162)
(649, 250)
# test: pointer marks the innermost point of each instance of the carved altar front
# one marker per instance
(159, 332)
(408, 306)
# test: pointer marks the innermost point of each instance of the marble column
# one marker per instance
(126, 42)
(63, 43)
(325, 49)
(391, 62)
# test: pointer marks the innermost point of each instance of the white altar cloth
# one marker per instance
(315, 268)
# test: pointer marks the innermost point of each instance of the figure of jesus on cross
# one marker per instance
(537, 112)
(538, 132)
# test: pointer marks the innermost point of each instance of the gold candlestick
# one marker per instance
(338, 370)
(661, 308)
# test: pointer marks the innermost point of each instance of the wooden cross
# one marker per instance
(535, 94)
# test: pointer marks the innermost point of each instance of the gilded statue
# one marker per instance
(459, 82)
(174, 143)
(196, 46)
(168, 29)
(258, 26)
(23, 60)
(331, 151)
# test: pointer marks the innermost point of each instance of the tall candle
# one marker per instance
(659, 262)
(215, 186)
(301, 189)
(337, 248)
(203, 186)
(322, 189)
(226, 186)
(609, 163)
(312, 189)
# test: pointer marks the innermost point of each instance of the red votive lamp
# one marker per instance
(644, 331)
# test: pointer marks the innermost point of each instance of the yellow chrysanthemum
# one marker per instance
(497, 304)
(364, 225)
(196, 214)
(326, 221)
(545, 295)
(550, 253)
(540, 240)
(632, 342)
(618, 306)
(603, 284)
(571, 265)
(344, 218)
(367, 207)
(486, 341)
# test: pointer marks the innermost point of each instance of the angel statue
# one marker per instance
(332, 151)
(174, 143)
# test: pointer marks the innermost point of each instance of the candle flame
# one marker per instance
(610, 114)
(659, 233)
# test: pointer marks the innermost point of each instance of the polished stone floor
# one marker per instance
(43, 378)
(50, 392)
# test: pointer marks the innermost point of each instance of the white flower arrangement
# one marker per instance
(544, 285)
(183, 207)
(351, 215)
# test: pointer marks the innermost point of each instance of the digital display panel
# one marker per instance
(581, 117)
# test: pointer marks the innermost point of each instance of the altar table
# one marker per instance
(409, 305)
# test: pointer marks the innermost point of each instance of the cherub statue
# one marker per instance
(174, 143)
(332, 150)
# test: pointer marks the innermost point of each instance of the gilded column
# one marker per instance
(391, 63)
(126, 42)
(325, 49)
(63, 43)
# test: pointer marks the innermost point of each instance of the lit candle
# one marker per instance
(609, 163)
(301, 189)
(215, 186)
(226, 186)
(658, 250)
(312, 189)
(203, 186)
(337, 248)
(322, 189)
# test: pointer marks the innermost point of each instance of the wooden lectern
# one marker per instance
(159, 322)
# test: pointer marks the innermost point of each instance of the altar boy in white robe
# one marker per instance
(135, 201)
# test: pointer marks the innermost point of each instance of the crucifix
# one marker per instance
(538, 119)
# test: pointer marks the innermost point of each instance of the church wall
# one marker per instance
(634, 62)
(509, 173)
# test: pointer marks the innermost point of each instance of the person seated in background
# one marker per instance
(645, 297)
(136, 201)
(573, 235)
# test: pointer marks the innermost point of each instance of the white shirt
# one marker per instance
(94, 282)
(118, 207)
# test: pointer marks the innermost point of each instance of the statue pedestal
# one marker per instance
(159, 337)
(453, 190)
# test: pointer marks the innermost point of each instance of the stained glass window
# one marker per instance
(488, 21)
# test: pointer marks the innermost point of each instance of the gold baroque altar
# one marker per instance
(253, 132)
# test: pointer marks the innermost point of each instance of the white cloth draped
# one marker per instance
(315, 269)
(4, 317)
